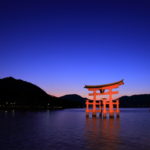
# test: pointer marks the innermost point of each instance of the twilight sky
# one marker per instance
(61, 45)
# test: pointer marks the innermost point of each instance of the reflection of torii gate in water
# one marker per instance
(100, 106)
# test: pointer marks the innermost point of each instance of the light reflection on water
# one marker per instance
(102, 134)
(70, 129)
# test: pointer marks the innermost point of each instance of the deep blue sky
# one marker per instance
(61, 45)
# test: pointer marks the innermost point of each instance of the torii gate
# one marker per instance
(103, 106)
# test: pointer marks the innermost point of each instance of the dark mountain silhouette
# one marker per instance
(142, 100)
(72, 100)
(19, 93)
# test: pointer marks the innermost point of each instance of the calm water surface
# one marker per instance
(70, 130)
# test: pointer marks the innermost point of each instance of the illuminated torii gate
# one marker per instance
(103, 106)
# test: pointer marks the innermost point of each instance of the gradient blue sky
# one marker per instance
(61, 45)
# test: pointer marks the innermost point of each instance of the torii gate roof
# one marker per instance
(105, 85)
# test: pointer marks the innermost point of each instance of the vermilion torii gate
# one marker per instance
(103, 105)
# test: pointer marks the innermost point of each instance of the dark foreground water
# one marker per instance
(70, 130)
